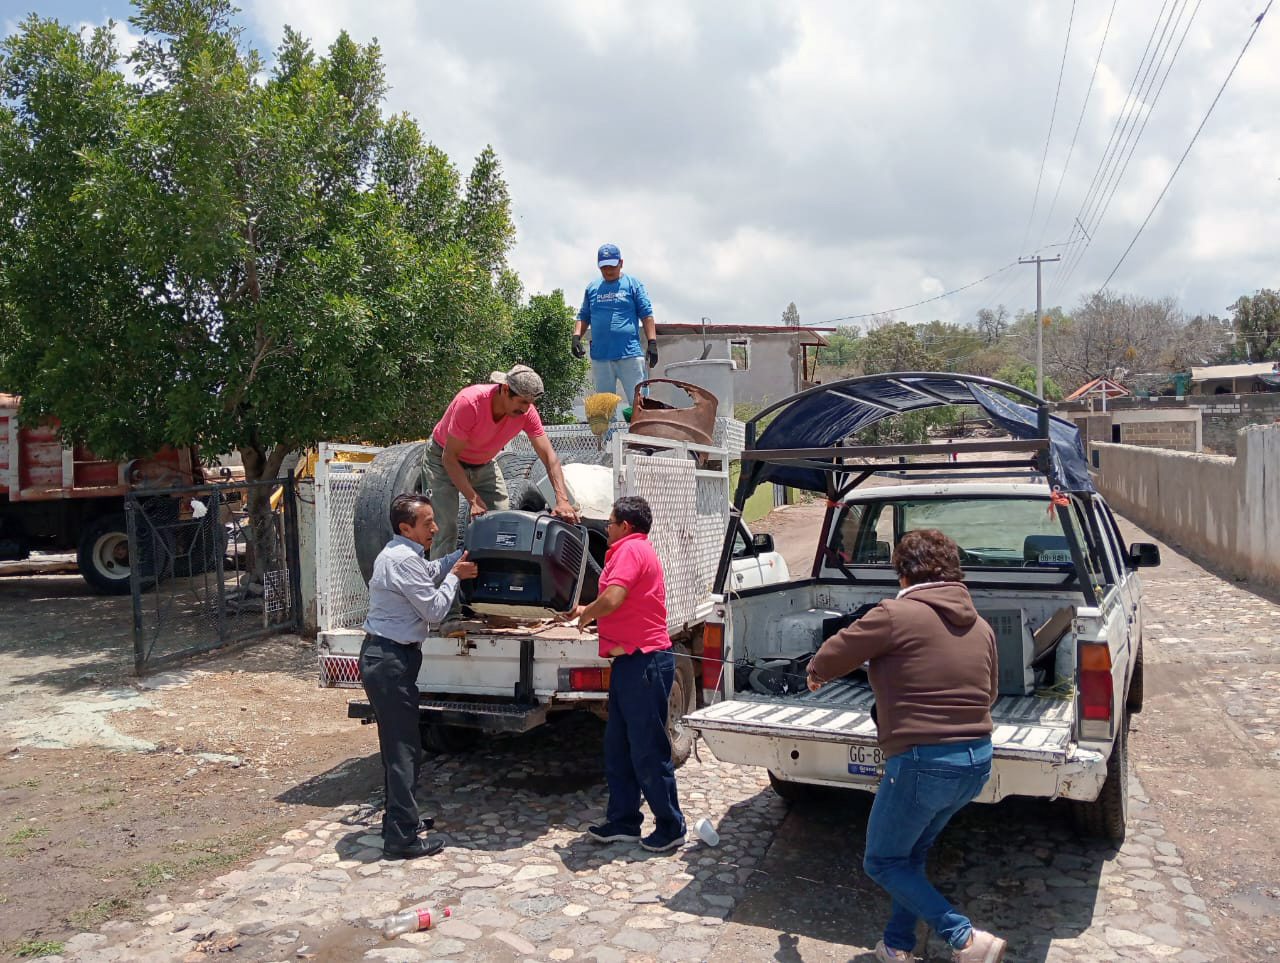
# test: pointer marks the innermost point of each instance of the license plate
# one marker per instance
(866, 761)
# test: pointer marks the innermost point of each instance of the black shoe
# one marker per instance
(419, 847)
(428, 822)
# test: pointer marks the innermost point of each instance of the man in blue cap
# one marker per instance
(615, 307)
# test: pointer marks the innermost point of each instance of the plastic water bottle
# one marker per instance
(413, 920)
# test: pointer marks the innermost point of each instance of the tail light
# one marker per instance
(1095, 683)
(589, 679)
(712, 654)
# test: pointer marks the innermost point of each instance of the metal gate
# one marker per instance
(211, 565)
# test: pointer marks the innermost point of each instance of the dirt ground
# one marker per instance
(235, 748)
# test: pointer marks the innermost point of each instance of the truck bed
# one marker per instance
(1026, 727)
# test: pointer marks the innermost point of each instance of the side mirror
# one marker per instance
(1144, 555)
(762, 542)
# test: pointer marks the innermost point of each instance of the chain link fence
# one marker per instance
(210, 566)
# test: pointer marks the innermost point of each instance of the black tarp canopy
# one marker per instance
(827, 415)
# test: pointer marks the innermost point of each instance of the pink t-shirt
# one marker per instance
(640, 623)
(470, 416)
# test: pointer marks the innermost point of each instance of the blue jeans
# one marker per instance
(921, 790)
(637, 752)
(606, 374)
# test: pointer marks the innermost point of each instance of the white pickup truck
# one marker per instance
(1043, 560)
(510, 671)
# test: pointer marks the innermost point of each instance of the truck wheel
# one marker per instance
(789, 791)
(442, 739)
(1133, 701)
(393, 471)
(103, 556)
(683, 700)
(1106, 817)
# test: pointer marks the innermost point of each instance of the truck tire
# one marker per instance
(393, 471)
(787, 790)
(447, 740)
(103, 556)
(1133, 702)
(1108, 815)
(683, 700)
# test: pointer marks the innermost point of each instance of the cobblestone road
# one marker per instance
(1195, 881)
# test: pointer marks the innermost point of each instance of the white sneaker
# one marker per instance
(983, 948)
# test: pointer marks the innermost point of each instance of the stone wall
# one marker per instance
(1218, 509)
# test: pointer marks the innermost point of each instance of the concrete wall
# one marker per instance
(1218, 509)
(1179, 429)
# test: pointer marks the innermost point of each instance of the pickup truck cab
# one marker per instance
(1043, 560)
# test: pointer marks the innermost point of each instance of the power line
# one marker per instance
(1044, 156)
(1123, 147)
(936, 297)
(1121, 122)
(1145, 119)
(1137, 135)
(1252, 33)
(1106, 31)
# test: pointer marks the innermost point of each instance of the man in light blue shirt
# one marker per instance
(407, 595)
(615, 307)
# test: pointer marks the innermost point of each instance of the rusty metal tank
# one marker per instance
(694, 422)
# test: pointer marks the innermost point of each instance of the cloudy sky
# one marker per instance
(852, 157)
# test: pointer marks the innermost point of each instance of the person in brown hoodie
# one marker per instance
(931, 660)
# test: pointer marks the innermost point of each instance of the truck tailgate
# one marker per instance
(1026, 727)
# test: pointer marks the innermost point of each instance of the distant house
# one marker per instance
(770, 362)
(1103, 388)
(1235, 379)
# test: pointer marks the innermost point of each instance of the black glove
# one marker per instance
(653, 352)
(578, 350)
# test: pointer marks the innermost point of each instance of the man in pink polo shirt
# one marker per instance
(631, 613)
(459, 459)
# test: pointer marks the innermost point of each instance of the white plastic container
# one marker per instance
(706, 832)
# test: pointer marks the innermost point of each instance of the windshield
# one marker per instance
(992, 531)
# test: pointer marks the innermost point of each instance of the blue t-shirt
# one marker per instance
(614, 310)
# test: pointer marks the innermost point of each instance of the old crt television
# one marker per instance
(529, 565)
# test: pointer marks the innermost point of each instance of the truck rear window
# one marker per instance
(1002, 532)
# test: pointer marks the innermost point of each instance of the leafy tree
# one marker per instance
(838, 356)
(791, 316)
(1023, 375)
(894, 346)
(542, 329)
(1257, 324)
(206, 253)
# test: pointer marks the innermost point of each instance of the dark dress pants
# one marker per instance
(389, 673)
(637, 752)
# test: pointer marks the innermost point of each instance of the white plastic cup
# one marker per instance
(706, 832)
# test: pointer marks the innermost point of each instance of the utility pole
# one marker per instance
(1037, 261)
